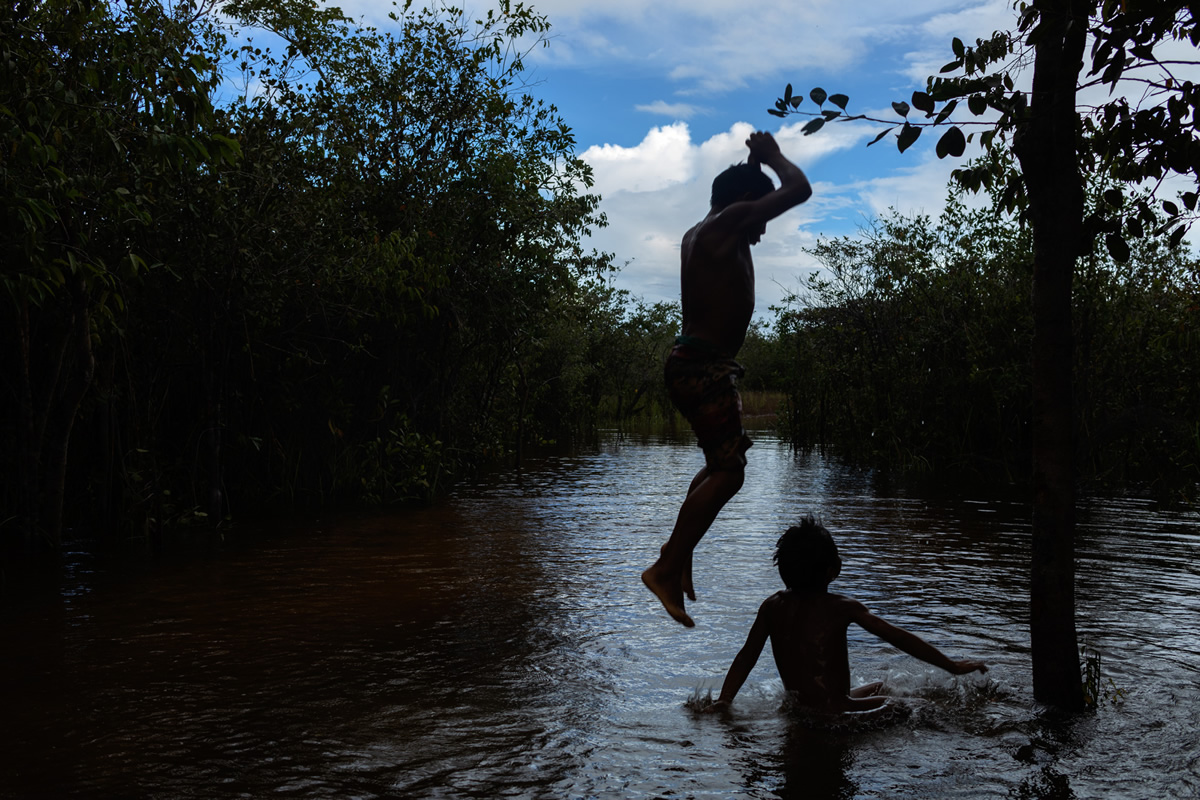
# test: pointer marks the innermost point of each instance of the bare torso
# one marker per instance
(808, 639)
(717, 284)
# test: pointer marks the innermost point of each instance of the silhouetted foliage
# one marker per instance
(341, 270)
(911, 348)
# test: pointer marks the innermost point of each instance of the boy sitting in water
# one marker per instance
(807, 627)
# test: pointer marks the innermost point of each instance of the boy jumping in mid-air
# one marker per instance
(807, 627)
(717, 282)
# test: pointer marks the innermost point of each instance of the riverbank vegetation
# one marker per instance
(912, 348)
(350, 267)
(341, 268)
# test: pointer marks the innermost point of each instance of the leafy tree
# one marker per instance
(358, 275)
(907, 348)
(911, 347)
(101, 111)
(1135, 136)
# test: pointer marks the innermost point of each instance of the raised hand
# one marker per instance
(763, 147)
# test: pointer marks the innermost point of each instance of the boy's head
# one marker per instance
(807, 557)
(740, 182)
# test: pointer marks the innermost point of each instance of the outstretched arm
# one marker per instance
(914, 645)
(744, 662)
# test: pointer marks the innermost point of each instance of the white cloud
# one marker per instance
(910, 190)
(715, 46)
(676, 110)
(663, 158)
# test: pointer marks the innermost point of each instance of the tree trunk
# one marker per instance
(27, 443)
(81, 367)
(1049, 160)
(523, 388)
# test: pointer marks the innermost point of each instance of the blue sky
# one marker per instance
(661, 96)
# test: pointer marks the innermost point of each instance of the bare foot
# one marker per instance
(668, 593)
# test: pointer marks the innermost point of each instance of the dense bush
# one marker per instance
(911, 347)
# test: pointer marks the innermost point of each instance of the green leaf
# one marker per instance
(977, 103)
(1118, 248)
(953, 65)
(1177, 236)
(1134, 226)
(1189, 200)
(775, 112)
(787, 94)
(900, 108)
(946, 111)
(1170, 208)
(922, 102)
(952, 143)
(880, 135)
(839, 100)
(1114, 197)
(797, 100)
(908, 135)
(818, 96)
(1115, 68)
(813, 126)
(958, 48)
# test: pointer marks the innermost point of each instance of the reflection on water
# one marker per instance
(501, 644)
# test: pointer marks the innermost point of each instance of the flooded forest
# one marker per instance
(347, 277)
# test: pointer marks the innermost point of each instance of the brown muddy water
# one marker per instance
(501, 645)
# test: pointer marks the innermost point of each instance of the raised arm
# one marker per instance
(914, 645)
(745, 660)
(793, 189)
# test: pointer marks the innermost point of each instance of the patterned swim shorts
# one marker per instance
(703, 386)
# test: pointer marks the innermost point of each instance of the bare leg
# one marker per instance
(869, 690)
(866, 698)
(708, 494)
(685, 581)
(865, 703)
(688, 588)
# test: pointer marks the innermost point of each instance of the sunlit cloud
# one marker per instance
(654, 191)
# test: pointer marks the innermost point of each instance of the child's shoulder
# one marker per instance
(823, 602)
(848, 607)
(842, 599)
(792, 597)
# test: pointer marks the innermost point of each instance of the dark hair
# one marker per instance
(805, 554)
(732, 184)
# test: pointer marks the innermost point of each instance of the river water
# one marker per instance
(501, 644)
